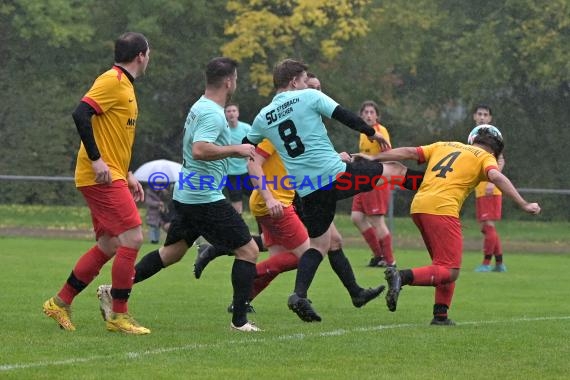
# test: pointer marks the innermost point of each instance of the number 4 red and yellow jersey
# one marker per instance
(112, 96)
(453, 170)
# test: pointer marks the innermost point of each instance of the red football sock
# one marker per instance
(490, 241)
(85, 270)
(123, 275)
(386, 244)
(431, 275)
(498, 247)
(372, 241)
(444, 293)
(268, 269)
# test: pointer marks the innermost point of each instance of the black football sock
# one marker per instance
(148, 266)
(341, 266)
(308, 265)
(243, 274)
(407, 276)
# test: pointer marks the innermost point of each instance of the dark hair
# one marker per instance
(485, 137)
(311, 75)
(287, 70)
(370, 103)
(129, 45)
(483, 106)
(218, 69)
(229, 104)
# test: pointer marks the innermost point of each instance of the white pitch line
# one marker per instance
(251, 339)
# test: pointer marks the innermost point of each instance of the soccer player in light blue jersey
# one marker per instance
(238, 181)
(293, 123)
(201, 208)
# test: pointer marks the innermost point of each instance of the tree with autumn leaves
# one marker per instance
(427, 62)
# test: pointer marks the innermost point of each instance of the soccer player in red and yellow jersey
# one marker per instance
(106, 119)
(488, 206)
(453, 170)
(368, 209)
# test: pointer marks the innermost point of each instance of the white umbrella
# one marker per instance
(158, 171)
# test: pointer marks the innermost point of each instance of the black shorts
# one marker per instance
(238, 186)
(319, 207)
(218, 222)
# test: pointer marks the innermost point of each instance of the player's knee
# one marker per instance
(248, 252)
(394, 169)
(454, 274)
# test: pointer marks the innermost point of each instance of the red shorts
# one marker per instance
(442, 237)
(287, 231)
(488, 207)
(113, 209)
(374, 202)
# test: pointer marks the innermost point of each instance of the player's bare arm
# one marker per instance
(255, 170)
(396, 154)
(207, 151)
(506, 186)
(135, 187)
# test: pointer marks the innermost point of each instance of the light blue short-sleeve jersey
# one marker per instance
(293, 123)
(238, 165)
(201, 181)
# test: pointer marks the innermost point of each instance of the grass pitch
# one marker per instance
(510, 325)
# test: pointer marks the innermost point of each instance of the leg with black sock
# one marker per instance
(341, 266)
(298, 302)
(207, 253)
(148, 266)
(243, 274)
(307, 268)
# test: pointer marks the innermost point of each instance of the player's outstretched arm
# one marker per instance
(396, 154)
(507, 187)
(353, 121)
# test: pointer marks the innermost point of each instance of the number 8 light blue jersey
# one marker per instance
(293, 123)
